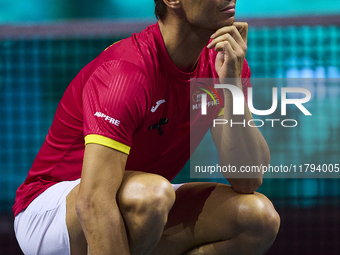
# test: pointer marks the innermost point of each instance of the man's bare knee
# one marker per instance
(146, 194)
(145, 201)
(258, 217)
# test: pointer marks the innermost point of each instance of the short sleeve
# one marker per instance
(115, 101)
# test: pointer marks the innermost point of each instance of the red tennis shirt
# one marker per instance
(131, 98)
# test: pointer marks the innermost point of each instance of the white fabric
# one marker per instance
(41, 227)
(176, 186)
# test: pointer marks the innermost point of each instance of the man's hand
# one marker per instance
(231, 44)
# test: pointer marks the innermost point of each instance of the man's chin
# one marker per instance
(225, 23)
(229, 21)
(215, 25)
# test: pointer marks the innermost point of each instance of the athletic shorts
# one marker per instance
(41, 228)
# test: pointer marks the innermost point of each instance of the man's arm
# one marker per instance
(96, 204)
(237, 145)
(241, 146)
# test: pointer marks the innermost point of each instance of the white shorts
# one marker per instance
(41, 228)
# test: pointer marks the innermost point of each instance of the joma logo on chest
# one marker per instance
(158, 103)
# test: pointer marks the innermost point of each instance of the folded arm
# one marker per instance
(238, 145)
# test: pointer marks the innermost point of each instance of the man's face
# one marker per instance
(210, 14)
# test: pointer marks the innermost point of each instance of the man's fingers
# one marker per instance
(224, 46)
(229, 50)
(226, 33)
(223, 38)
(239, 30)
(220, 58)
(239, 47)
(242, 27)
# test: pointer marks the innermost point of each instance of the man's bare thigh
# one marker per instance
(203, 213)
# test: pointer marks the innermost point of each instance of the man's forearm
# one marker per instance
(104, 228)
(242, 146)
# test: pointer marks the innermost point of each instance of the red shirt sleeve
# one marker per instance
(115, 101)
(245, 75)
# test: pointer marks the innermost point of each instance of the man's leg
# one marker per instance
(209, 218)
(144, 201)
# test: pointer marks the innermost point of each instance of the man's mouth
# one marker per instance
(229, 9)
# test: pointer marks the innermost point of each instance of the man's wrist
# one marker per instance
(231, 81)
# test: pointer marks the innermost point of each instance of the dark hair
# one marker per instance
(160, 9)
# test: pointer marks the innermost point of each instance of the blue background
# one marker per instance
(39, 10)
(35, 72)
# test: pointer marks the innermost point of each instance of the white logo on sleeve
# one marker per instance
(107, 118)
(158, 103)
